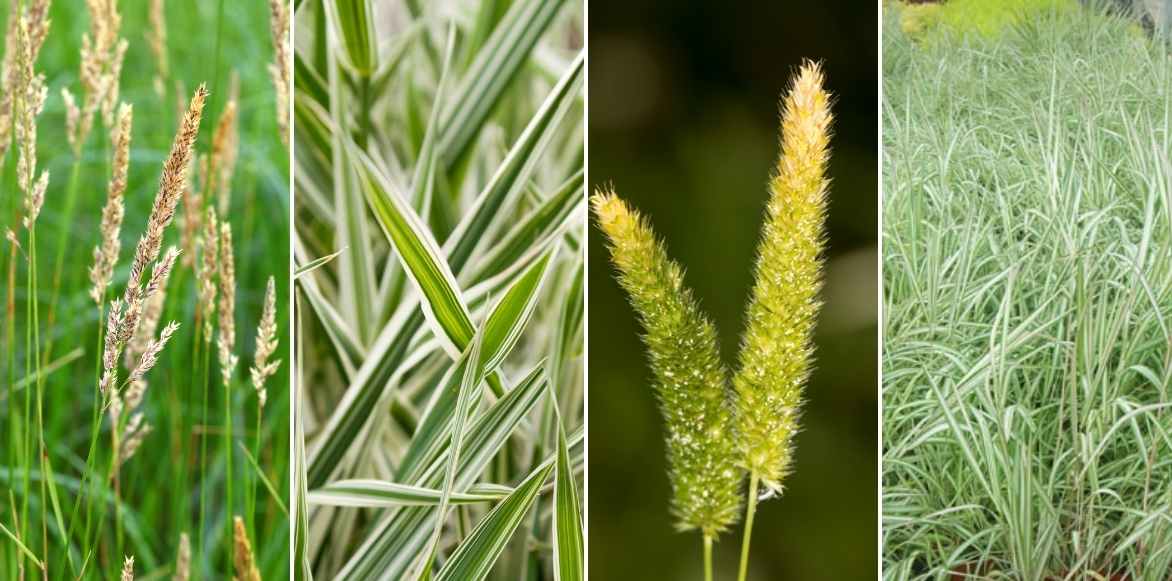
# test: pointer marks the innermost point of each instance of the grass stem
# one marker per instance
(750, 510)
(707, 558)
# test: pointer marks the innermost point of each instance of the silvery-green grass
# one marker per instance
(1028, 298)
(439, 299)
(67, 511)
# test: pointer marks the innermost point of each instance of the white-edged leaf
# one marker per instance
(568, 564)
(476, 554)
(380, 493)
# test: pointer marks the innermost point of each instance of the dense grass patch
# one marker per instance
(68, 507)
(1028, 298)
(439, 295)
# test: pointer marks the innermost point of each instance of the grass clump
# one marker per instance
(1027, 292)
(438, 248)
(715, 436)
(106, 466)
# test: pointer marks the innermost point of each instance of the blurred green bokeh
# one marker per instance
(683, 122)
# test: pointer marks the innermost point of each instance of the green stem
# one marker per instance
(63, 245)
(749, 512)
(707, 558)
(228, 466)
(34, 322)
(250, 505)
(95, 428)
(203, 452)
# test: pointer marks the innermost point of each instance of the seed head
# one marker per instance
(148, 360)
(183, 559)
(128, 569)
(170, 186)
(225, 147)
(106, 253)
(132, 436)
(151, 313)
(102, 53)
(245, 564)
(279, 69)
(777, 347)
(266, 344)
(227, 308)
(206, 275)
(690, 380)
(25, 34)
(29, 91)
(192, 214)
(156, 37)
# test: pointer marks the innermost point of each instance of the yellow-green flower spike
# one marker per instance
(690, 380)
(777, 349)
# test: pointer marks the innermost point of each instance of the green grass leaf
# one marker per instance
(476, 555)
(568, 544)
(493, 70)
(354, 20)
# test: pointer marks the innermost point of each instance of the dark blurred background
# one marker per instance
(683, 122)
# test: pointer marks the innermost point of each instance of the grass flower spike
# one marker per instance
(266, 344)
(714, 434)
(243, 560)
(690, 380)
(128, 569)
(776, 349)
(106, 253)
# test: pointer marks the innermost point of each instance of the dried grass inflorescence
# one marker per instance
(129, 315)
(170, 187)
(192, 215)
(183, 559)
(106, 253)
(128, 569)
(222, 161)
(690, 380)
(23, 39)
(207, 272)
(131, 438)
(266, 344)
(777, 346)
(102, 53)
(244, 561)
(156, 37)
(28, 99)
(279, 69)
(226, 342)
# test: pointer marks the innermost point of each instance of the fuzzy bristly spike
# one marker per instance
(690, 380)
(777, 349)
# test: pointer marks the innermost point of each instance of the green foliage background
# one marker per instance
(207, 40)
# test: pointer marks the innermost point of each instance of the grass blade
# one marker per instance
(568, 564)
(477, 554)
(382, 494)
